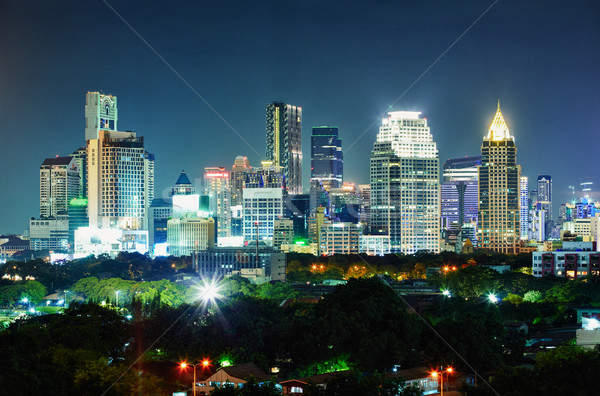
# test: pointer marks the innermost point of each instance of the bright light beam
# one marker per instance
(210, 291)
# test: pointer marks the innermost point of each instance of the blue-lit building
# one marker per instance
(459, 196)
(326, 157)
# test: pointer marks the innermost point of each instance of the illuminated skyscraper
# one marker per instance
(404, 198)
(544, 200)
(59, 184)
(284, 142)
(524, 197)
(459, 196)
(216, 186)
(100, 114)
(120, 180)
(241, 167)
(326, 157)
(499, 198)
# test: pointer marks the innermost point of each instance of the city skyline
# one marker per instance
(547, 94)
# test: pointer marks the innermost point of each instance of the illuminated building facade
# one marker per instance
(524, 198)
(499, 198)
(326, 157)
(574, 260)
(458, 192)
(265, 176)
(283, 233)
(120, 180)
(404, 195)
(49, 233)
(216, 186)
(188, 235)
(78, 217)
(284, 142)
(241, 167)
(544, 200)
(262, 206)
(100, 114)
(339, 238)
(80, 156)
(59, 184)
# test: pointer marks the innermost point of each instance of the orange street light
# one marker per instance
(435, 374)
(205, 363)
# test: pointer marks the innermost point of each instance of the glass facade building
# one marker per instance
(326, 157)
(458, 191)
(284, 142)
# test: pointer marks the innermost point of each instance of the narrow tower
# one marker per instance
(499, 200)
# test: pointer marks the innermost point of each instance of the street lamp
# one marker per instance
(435, 374)
(204, 363)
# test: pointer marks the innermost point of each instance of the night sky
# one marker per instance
(344, 62)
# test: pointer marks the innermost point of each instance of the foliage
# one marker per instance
(250, 388)
(533, 296)
(365, 320)
(355, 383)
(34, 291)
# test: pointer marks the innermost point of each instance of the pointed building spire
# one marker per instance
(498, 128)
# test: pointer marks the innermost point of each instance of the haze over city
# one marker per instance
(346, 64)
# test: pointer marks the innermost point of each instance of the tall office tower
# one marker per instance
(499, 200)
(284, 142)
(318, 196)
(405, 184)
(80, 156)
(78, 217)
(326, 157)
(544, 199)
(59, 184)
(364, 193)
(216, 186)
(524, 197)
(100, 114)
(345, 203)
(459, 196)
(262, 206)
(241, 167)
(118, 176)
(283, 233)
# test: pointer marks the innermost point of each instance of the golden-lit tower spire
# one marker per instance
(498, 128)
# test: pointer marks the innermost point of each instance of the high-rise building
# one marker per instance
(326, 157)
(78, 217)
(524, 197)
(499, 198)
(241, 167)
(100, 114)
(59, 184)
(404, 196)
(544, 199)
(216, 186)
(283, 233)
(459, 196)
(262, 206)
(80, 156)
(120, 180)
(51, 233)
(339, 238)
(284, 142)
